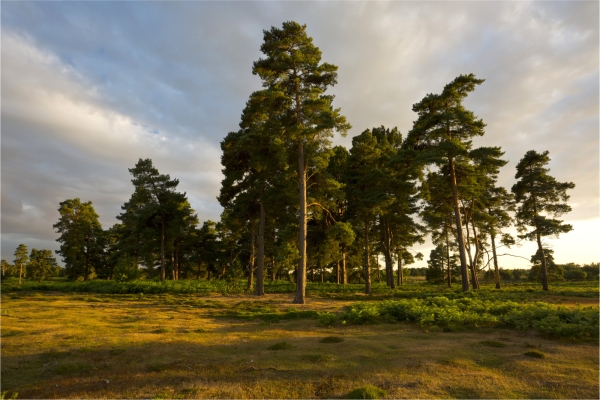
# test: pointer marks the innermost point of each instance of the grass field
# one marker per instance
(170, 345)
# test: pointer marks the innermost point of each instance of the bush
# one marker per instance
(472, 311)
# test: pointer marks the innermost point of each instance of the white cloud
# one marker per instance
(88, 88)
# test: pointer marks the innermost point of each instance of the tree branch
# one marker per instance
(314, 203)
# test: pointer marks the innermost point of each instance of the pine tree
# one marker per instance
(80, 233)
(293, 68)
(443, 133)
(159, 205)
(366, 191)
(42, 264)
(21, 257)
(539, 198)
(253, 160)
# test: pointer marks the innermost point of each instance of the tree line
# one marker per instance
(296, 207)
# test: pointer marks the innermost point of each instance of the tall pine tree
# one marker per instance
(540, 199)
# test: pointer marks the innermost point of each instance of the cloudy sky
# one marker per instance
(89, 88)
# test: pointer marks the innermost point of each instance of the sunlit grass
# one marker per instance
(190, 346)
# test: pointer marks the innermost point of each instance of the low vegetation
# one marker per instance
(235, 345)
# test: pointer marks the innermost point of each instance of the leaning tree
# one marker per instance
(443, 132)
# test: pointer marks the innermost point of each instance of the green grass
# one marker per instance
(521, 291)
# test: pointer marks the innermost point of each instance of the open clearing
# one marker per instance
(58, 345)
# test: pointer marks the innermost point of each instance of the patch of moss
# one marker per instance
(534, 354)
(366, 392)
(493, 343)
(331, 339)
(163, 330)
(72, 369)
(280, 346)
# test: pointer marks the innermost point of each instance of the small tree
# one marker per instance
(21, 258)
(6, 269)
(42, 264)
(539, 197)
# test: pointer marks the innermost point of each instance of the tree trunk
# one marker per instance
(477, 255)
(448, 259)
(177, 262)
(20, 272)
(344, 272)
(539, 242)
(496, 269)
(87, 258)
(173, 263)
(471, 266)
(163, 273)
(199, 268)
(301, 271)
(459, 232)
(321, 271)
(367, 267)
(544, 268)
(251, 264)
(260, 288)
(387, 254)
(400, 271)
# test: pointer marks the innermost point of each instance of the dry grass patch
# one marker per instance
(68, 347)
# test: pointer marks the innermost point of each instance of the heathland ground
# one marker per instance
(418, 341)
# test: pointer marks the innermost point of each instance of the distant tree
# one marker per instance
(573, 271)
(205, 249)
(554, 271)
(80, 233)
(491, 203)
(6, 269)
(366, 191)
(21, 257)
(293, 67)
(343, 235)
(438, 214)
(435, 265)
(42, 264)
(519, 273)
(591, 270)
(443, 133)
(159, 206)
(540, 197)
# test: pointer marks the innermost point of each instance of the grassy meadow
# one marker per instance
(121, 340)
